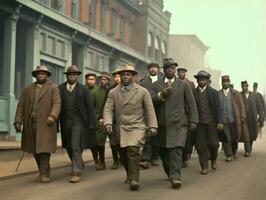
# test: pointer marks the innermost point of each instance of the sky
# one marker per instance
(235, 31)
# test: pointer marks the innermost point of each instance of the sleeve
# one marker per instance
(56, 102)
(19, 116)
(90, 107)
(191, 104)
(108, 111)
(150, 115)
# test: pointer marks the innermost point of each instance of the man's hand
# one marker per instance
(18, 127)
(50, 121)
(152, 132)
(166, 92)
(192, 126)
(100, 122)
(220, 127)
(261, 124)
(109, 128)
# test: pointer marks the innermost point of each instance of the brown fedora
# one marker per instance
(202, 74)
(72, 69)
(41, 68)
(106, 75)
(128, 68)
(90, 74)
(116, 71)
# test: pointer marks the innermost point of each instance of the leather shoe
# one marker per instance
(214, 164)
(175, 183)
(100, 166)
(74, 179)
(247, 154)
(115, 165)
(45, 179)
(134, 185)
(204, 171)
(155, 162)
(228, 159)
(145, 164)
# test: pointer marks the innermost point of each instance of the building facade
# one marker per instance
(96, 35)
(189, 51)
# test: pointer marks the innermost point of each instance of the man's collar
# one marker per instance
(166, 80)
(203, 89)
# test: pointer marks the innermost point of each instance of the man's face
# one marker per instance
(117, 79)
(41, 77)
(202, 82)
(181, 74)
(104, 81)
(245, 87)
(126, 78)
(153, 70)
(72, 78)
(226, 84)
(170, 71)
(255, 88)
(91, 81)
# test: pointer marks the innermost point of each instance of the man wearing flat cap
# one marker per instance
(191, 138)
(255, 118)
(150, 152)
(129, 112)
(171, 96)
(234, 116)
(37, 112)
(210, 122)
(77, 120)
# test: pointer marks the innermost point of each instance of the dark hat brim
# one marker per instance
(34, 73)
(201, 76)
(169, 64)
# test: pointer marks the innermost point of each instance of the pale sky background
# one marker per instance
(235, 31)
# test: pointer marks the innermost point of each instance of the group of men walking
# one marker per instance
(163, 116)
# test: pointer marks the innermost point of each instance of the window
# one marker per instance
(113, 22)
(46, 2)
(60, 49)
(57, 5)
(157, 49)
(122, 28)
(74, 9)
(150, 44)
(57, 76)
(102, 20)
(163, 47)
(92, 12)
(42, 42)
(51, 45)
(130, 34)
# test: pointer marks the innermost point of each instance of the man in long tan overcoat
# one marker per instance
(129, 111)
(36, 115)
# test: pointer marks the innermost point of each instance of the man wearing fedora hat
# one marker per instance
(255, 118)
(150, 152)
(114, 138)
(77, 120)
(234, 117)
(191, 138)
(170, 96)
(37, 112)
(210, 121)
(129, 112)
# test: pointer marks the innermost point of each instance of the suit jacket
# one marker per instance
(171, 114)
(87, 114)
(49, 104)
(146, 82)
(130, 115)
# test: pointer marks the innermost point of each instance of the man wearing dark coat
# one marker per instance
(37, 111)
(191, 137)
(210, 120)
(260, 97)
(150, 152)
(77, 120)
(234, 116)
(171, 96)
(255, 118)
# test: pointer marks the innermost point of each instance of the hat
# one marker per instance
(72, 69)
(202, 74)
(116, 71)
(255, 84)
(41, 68)
(181, 68)
(153, 65)
(168, 62)
(128, 68)
(244, 82)
(90, 74)
(106, 75)
(225, 78)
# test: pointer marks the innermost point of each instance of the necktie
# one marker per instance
(169, 83)
(70, 88)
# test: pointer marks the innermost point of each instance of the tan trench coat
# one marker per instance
(131, 115)
(49, 104)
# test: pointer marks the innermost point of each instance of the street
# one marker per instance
(242, 179)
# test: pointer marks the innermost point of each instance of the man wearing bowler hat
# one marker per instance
(210, 122)
(77, 120)
(171, 96)
(37, 112)
(150, 152)
(129, 112)
(234, 118)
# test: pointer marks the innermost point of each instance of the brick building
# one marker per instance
(96, 35)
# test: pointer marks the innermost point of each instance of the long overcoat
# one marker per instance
(172, 115)
(48, 104)
(87, 113)
(239, 114)
(131, 115)
(254, 112)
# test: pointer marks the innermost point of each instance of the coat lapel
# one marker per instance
(44, 90)
(131, 94)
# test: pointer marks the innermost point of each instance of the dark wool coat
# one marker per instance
(87, 113)
(171, 114)
(49, 104)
